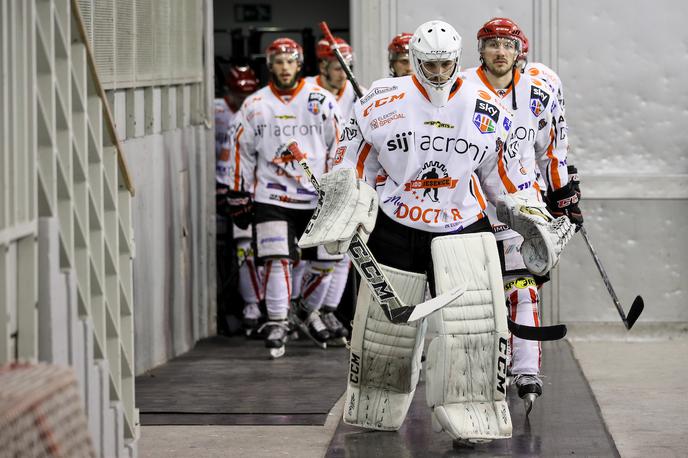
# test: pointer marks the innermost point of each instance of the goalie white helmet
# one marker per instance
(436, 54)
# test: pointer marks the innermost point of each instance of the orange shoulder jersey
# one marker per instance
(540, 131)
(259, 162)
(433, 168)
(346, 97)
(549, 76)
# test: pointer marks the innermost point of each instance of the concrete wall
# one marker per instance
(626, 107)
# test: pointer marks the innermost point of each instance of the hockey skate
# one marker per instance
(338, 333)
(251, 319)
(276, 337)
(312, 326)
(529, 389)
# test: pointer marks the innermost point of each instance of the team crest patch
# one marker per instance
(485, 117)
(538, 100)
(432, 177)
(314, 107)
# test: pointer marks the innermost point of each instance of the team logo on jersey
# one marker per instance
(385, 119)
(283, 158)
(315, 100)
(430, 179)
(484, 95)
(382, 101)
(538, 100)
(314, 107)
(339, 154)
(485, 117)
(439, 124)
(541, 124)
(377, 91)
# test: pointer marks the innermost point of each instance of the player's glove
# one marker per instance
(221, 204)
(240, 208)
(564, 202)
(574, 180)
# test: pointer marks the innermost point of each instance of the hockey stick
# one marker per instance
(335, 49)
(393, 307)
(542, 333)
(638, 304)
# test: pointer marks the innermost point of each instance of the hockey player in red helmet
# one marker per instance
(241, 82)
(333, 78)
(284, 58)
(269, 189)
(541, 136)
(398, 52)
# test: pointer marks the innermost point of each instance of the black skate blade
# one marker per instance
(634, 313)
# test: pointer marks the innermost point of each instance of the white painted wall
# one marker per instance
(627, 108)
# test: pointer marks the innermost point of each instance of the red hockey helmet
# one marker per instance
(501, 28)
(524, 52)
(399, 45)
(324, 52)
(284, 46)
(242, 80)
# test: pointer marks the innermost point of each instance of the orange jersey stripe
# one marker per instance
(476, 191)
(237, 160)
(361, 160)
(502, 172)
(554, 162)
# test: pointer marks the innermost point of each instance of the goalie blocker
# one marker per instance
(466, 359)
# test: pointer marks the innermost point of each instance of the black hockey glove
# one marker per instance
(564, 201)
(221, 203)
(240, 208)
(574, 180)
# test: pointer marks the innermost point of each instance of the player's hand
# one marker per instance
(564, 202)
(240, 208)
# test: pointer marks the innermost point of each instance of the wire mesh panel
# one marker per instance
(41, 412)
(125, 40)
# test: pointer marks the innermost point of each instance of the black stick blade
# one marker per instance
(544, 333)
(636, 309)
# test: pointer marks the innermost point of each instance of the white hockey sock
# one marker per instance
(249, 278)
(522, 301)
(298, 268)
(315, 283)
(277, 288)
(337, 283)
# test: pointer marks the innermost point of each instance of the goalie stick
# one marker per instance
(335, 49)
(638, 304)
(393, 307)
(383, 292)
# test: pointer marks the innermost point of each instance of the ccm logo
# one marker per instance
(354, 368)
(382, 101)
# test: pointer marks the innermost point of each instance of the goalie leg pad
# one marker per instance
(466, 361)
(385, 357)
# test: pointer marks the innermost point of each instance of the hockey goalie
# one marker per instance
(416, 165)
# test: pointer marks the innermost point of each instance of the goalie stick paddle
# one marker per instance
(543, 333)
(335, 49)
(383, 292)
(638, 304)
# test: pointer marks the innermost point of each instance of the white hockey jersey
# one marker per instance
(432, 166)
(268, 119)
(346, 98)
(224, 120)
(540, 130)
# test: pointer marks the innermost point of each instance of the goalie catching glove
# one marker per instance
(345, 205)
(544, 237)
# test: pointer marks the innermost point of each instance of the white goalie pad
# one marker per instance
(544, 238)
(466, 360)
(385, 357)
(346, 204)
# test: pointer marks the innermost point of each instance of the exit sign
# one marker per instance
(253, 13)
